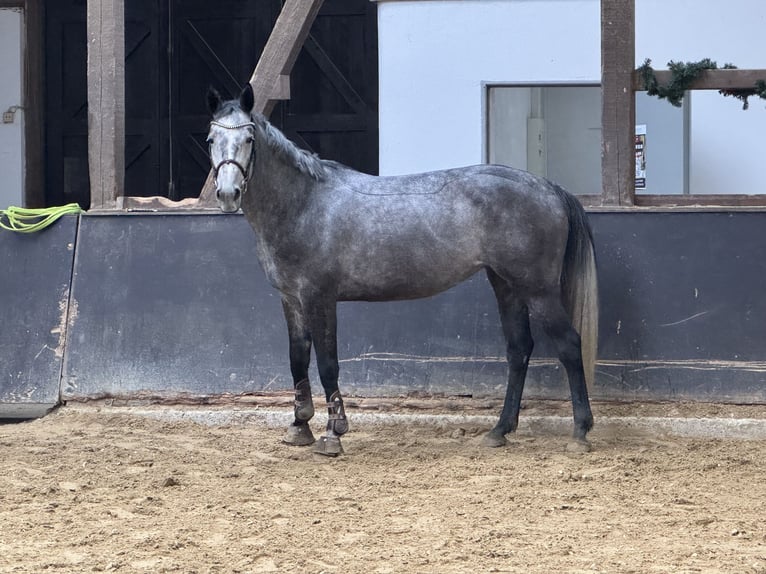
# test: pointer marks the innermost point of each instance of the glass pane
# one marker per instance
(666, 132)
(553, 131)
(727, 145)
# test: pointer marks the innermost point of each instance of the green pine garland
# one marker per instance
(683, 75)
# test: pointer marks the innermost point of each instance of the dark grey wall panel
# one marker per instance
(177, 305)
(34, 291)
(171, 305)
(683, 307)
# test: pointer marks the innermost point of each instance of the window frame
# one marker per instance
(620, 81)
(586, 199)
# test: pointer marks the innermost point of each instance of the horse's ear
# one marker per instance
(246, 98)
(213, 100)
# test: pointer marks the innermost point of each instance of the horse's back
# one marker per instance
(478, 201)
(439, 182)
(415, 235)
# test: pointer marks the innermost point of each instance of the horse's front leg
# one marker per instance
(299, 433)
(323, 325)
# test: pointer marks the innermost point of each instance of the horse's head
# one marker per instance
(232, 147)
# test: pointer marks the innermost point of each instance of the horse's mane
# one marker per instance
(306, 162)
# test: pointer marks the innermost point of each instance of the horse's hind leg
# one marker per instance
(557, 325)
(514, 318)
(299, 433)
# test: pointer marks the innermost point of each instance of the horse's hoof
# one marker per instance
(299, 435)
(578, 446)
(493, 440)
(329, 446)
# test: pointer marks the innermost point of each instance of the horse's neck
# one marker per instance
(277, 191)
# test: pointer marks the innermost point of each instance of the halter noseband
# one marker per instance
(245, 171)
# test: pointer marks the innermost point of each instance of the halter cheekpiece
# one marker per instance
(245, 171)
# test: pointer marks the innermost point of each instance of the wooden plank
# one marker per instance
(704, 200)
(617, 101)
(709, 79)
(106, 101)
(274, 66)
(33, 100)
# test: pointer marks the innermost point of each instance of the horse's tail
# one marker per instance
(579, 282)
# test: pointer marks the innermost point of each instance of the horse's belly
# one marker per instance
(392, 284)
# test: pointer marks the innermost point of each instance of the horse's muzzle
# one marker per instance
(229, 200)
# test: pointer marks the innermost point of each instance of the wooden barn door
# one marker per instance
(146, 129)
(334, 84)
(333, 106)
(174, 50)
(67, 101)
(212, 44)
(66, 109)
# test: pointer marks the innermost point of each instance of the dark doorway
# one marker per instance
(174, 50)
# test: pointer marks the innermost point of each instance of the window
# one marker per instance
(709, 147)
(555, 131)
(552, 131)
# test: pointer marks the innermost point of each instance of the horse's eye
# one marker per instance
(249, 139)
(209, 141)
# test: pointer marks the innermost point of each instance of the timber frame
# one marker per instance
(619, 83)
(270, 81)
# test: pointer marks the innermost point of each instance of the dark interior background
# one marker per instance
(174, 50)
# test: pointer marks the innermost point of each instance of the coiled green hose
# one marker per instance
(23, 220)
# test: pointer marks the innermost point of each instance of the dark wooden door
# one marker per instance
(174, 50)
(334, 84)
(333, 108)
(146, 125)
(146, 96)
(66, 108)
(213, 44)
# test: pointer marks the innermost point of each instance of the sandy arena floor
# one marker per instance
(95, 490)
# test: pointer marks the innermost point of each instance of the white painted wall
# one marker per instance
(11, 135)
(436, 55)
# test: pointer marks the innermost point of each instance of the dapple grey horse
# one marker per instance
(327, 233)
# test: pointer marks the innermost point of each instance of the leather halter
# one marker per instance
(245, 171)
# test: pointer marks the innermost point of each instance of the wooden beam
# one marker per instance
(708, 79)
(270, 80)
(704, 200)
(285, 42)
(106, 101)
(618, 48)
